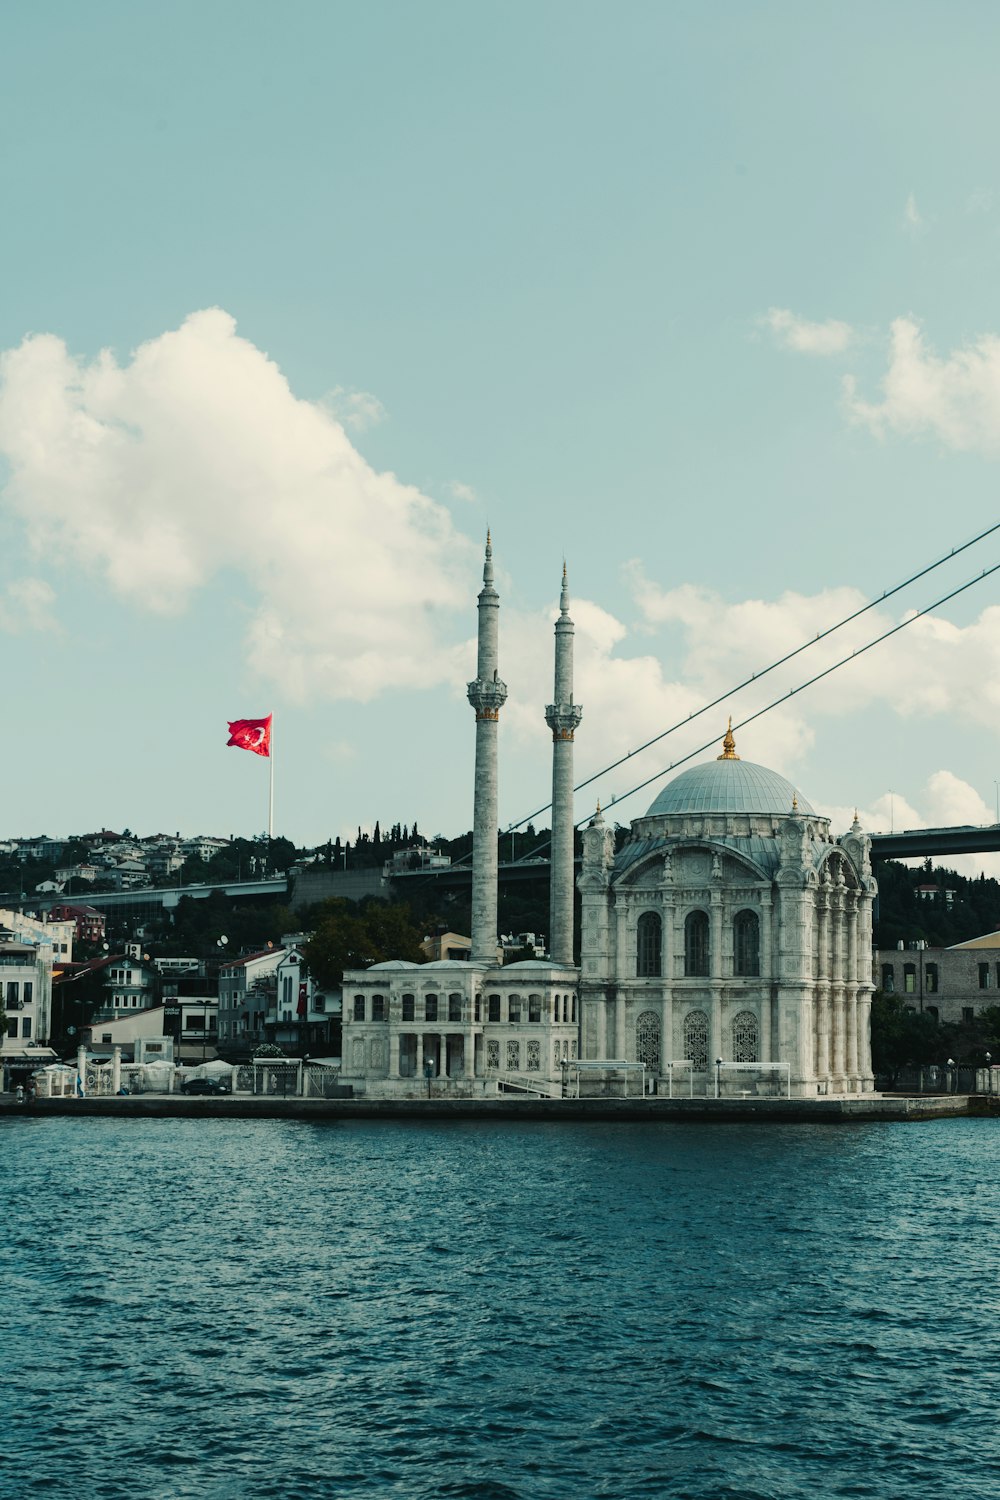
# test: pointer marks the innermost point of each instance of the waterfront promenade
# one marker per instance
(835, 1111)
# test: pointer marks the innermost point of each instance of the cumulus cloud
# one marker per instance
(358, 410)
(195, 458)
(955, 399)
(945, 801)
(911, 214)
(931, 667)
(460, 491)
(26, 604)
(831, 337)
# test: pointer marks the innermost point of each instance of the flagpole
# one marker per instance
(270, 788)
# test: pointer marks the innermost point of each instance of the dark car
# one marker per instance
(206, 1086)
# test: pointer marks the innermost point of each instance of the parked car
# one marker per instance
(206, 1086)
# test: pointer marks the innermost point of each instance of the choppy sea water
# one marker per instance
(215, 1309)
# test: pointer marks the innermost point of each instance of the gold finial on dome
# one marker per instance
(795, 802)
(728, 744)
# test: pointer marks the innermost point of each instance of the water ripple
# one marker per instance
(499, 1312)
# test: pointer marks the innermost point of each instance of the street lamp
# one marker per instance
(428, 1074)
(989, 1072)
(718, 1076)
(954, 1075)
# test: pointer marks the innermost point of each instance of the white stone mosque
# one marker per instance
(725, 947)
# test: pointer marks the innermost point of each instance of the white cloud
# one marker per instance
(933, 667)
(26, 604)
(945, 802)
(911, 214)
(831, 337)
(358, 410)
(195, 457)
(956, 399)
(460, 491)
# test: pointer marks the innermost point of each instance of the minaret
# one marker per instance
(487, 696)
(562, 717)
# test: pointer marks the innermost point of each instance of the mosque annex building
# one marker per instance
(725, 947)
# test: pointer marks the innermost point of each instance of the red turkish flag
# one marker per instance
(251, 734)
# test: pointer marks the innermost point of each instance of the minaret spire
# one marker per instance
(487, 696)
(563, 716)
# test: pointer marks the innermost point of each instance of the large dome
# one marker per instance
(728, 785)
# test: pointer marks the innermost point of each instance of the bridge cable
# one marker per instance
(781, 661)
(792, 692)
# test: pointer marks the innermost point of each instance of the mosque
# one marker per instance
(724, 948)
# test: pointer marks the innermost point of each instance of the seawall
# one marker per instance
(844, 1111)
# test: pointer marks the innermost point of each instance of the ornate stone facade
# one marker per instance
(731, 928)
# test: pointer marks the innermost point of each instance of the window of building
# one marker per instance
(454, 1007)
(910, 979)
(696, 1039)
(513, 1056)
(967, 1012)
(378, 1007)
(359, 1007)
(28, 991)
(477, 1009)
(888, 979)
(408, 1010)
(746, 943)
(319, 1004)
(647, 1039)
(931, 979)
(492, 1052)
(534, 1007)
(696, 943)
(984, 976)
(514, 1008)
(12, 1027)
(534, 1055)
(573, 1016)
(105, 1036)
(649, 945)
(746, 1037)
(494, 1004)
(26, 1026)
(932, 1010)
(13, 992)
(430, 1007)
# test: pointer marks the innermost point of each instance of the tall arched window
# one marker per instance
(746, 1037)
(696, 943)
(649, 945)
(746, 943)
(696, 1039)
(647, 1039)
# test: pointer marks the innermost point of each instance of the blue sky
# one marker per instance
(701, 297)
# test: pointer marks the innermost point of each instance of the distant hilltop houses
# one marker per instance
(109, 860)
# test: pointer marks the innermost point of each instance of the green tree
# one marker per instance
(903, 1038)
(350, 937)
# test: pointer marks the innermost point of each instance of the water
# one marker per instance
(499, 1312)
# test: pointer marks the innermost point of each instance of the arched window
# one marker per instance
(696, 1039)
(746, 1037)
(746, 943)
(647, 1039)
(649, 945)
(696, 943)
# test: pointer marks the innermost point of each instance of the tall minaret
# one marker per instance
(487, 696)
(562, 717)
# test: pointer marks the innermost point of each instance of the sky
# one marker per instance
(298, 300)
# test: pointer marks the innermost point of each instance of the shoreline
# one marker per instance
(838, 1111)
